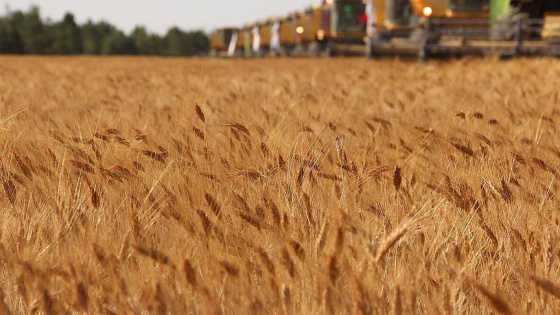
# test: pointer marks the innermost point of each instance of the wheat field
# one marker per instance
(276, 186)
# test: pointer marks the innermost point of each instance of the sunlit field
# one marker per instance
(279, 186)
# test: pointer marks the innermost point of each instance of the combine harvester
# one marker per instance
(403, 26)
(342, 29)
(514, 28)
(460, 27)
(423, 28)
(335, 26)
(220, 41)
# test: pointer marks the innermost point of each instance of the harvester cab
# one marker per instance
(468, 8)
(399, 14)
(348, 19)
(398, 18)
(408, 14)
(343, 25)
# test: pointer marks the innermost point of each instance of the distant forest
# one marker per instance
(28, 33)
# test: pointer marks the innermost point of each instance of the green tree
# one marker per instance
(180, 43)
(198, 43)
(10, 40)
(175, 42)
(146, 43)
(33, 32)
(66, 36)
(94, 35)
(118, 44)
(25, 32)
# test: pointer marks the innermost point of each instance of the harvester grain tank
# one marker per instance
(220, 40)
(287, 34)
(241, 41)
(265, 30)
(309, 25)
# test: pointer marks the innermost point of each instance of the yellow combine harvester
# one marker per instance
(220, 40)
(394, 26)
(265, 29)
(243, 44)
(287, 30)
(335, 25)
(317, 30)
(309, 25)
(403, 26)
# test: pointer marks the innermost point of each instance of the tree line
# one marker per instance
(28, 33)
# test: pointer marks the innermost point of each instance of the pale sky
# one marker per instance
(159, 15)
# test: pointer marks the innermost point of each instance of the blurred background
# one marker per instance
(245, 28)
(165, 27)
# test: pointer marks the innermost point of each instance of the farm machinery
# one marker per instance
(458, 27)
(414, 25)
(512, 28)
(220, 40)
(317, 30)
(424, 28)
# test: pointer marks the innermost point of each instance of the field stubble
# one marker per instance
(283, 186)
